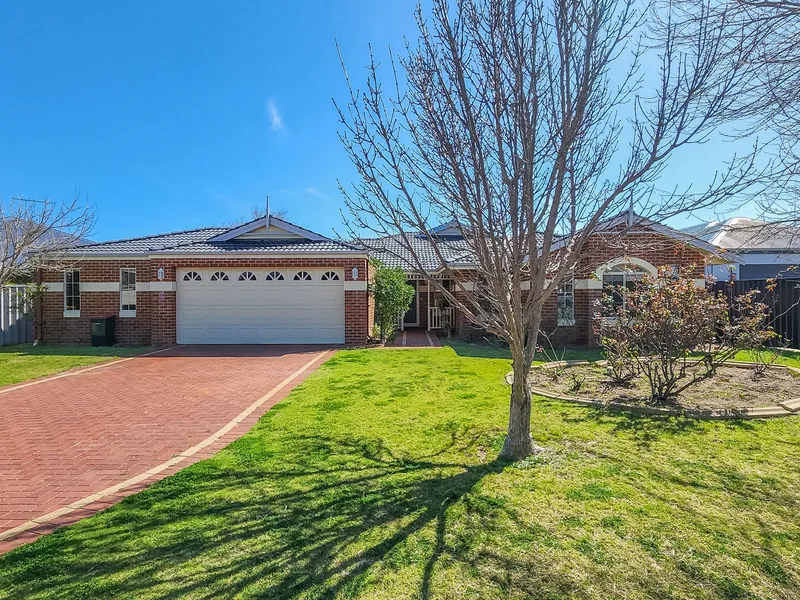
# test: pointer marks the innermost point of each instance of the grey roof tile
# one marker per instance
(256, 246)
(392, 252)
(151, 243)
(196, 241)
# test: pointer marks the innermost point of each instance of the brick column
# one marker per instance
(163, 306)
(357, 316)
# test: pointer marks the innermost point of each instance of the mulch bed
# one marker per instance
(730, 388)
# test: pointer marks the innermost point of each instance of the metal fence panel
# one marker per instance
(783, 300)
(15, 327)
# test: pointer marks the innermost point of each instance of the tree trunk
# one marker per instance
(519, 442)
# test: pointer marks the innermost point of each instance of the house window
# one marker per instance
(274, 276)
(566, 304)
(72, 293)
(620, 276)
(192, 276)
(219, 276)
(302, 276)
(127, 292)
(247, 276)
(330, 276)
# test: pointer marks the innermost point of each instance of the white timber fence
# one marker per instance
(15, 326)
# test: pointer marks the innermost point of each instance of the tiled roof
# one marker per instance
(153, 243)
(257, 246)
(196, 241)
(391, 251)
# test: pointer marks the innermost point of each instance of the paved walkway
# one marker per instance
(73, 445)
(416, 338)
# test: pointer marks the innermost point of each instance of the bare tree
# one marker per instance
(771, 104)
(527, 125)
(36, 233)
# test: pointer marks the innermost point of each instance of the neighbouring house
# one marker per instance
(271, 282)
(610, 259)
(762, 249)
(265, 282)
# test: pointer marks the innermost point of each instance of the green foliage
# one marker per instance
(392, 296)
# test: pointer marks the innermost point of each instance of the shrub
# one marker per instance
(392, 296)
(621, 363)
(747, 328)
(663, 319)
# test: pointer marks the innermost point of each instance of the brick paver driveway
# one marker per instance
(70, 446)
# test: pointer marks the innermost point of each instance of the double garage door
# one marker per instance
(260, 306)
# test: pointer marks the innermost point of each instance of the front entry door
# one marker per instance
(411, 318)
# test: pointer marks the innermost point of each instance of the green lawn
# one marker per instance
(377, 478)
(23, 362)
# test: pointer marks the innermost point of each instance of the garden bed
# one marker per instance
(732, 392)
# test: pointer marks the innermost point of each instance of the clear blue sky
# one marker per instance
(181, 114)
(160, 112)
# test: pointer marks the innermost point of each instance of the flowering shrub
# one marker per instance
(664, 318)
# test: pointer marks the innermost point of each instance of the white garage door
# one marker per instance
(266, 306)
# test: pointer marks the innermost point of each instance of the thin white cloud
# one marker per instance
(312, 191)
(274, 116)
(299, 192)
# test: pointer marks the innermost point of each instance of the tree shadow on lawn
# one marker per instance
(326, 518)
(646, 429)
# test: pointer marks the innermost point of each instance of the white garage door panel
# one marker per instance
(261, 311)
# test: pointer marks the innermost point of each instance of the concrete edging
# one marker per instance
(787, 408)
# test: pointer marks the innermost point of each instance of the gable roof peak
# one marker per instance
(267, 223)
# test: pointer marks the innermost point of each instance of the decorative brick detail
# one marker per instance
(656, 249)
(130, 331)
(155, 320)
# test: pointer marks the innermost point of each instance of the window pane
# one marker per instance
(72, 290)
(128, 279)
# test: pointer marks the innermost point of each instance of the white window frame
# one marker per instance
(565, 290)
(72, 313)
(127, 313)
(630, 273)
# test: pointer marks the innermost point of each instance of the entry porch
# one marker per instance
(430, 310)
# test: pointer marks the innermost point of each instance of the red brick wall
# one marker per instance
(130, 331)
(656, 249)
(155, 321)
